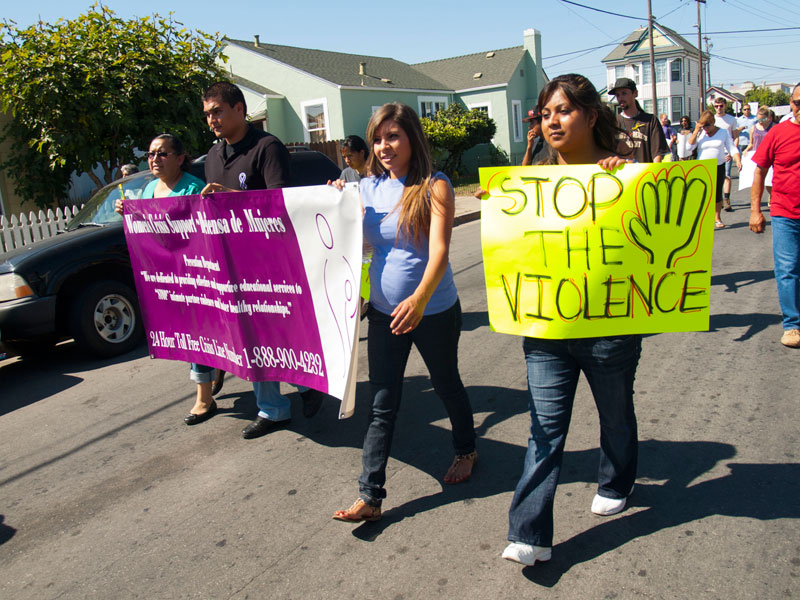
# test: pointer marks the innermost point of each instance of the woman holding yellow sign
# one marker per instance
(580, 130)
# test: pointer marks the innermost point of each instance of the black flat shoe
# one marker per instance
(262, 426)
(312, 401)
(218, 381)
(192, 419)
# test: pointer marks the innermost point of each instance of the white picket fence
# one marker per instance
(25, 229)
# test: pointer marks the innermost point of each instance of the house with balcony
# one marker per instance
(677, 73)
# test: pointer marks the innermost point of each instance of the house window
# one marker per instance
(661, 70)
(677, 109)
(482, 106)
(646, 74)
(315, 120)
(636, 75)
(430, 105)
(619, 71)
(675, 68)
(648, 106)
(662, 107)
(516, 119)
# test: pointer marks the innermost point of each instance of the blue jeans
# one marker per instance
(554, 367)
(786, 252)
(271, 404)
(201, 373)
(436, 338)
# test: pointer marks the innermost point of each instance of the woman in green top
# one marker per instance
(170, 164)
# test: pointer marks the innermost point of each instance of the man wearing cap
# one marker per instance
(645, 141)
(537, 150)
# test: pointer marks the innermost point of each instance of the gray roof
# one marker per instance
(256, 87)
(624, 50)
(342, 69)
(496, 67)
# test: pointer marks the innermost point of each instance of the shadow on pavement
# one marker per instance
(734, 281)
(753, 322)
(755, 491)
(37, 376)
(474, 320)
(6, 532)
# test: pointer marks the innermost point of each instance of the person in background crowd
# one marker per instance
(128, 169)
(408, 220)
(682, 139)
(537, 149)
(247, 158)
(354, 152)
(756, 135)
(714, 142)
(670, 135)
(581, 130)
(780, 150)
(744, 124)
(723, 120)
(642, 133)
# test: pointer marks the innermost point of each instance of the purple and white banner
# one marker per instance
(264, 284)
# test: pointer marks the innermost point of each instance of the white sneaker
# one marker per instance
(605, 507)
(525, 554)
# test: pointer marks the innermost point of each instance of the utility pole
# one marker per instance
(652, 56)
(708, 51)
(700, 61)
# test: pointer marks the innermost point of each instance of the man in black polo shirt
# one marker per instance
(246, 158)
(645, 141)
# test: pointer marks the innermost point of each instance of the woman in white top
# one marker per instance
(713, 142)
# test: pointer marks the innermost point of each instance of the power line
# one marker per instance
(604, 11)
(742, 30)
(747, 63)
(580, 51)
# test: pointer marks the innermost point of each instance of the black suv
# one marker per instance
(79, 283)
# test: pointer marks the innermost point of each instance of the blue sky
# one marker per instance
(417, 31)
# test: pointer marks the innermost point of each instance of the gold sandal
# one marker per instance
(461, 469)
(358, 511)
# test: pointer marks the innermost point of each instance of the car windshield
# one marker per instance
(99, 210)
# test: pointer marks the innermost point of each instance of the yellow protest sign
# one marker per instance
(576, 251)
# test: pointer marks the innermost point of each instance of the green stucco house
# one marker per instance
(304, 95)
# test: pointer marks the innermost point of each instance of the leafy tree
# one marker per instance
(766, 97)
(85, 93)
(453, 131)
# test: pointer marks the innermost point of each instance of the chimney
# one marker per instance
(532, 42)
(362, 68)
(255, 42)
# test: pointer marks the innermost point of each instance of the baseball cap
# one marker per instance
(533, 115)
(622, 82)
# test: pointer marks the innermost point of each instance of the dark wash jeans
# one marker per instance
(436, 339)
(554, 367)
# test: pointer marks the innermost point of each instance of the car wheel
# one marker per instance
(105, 319)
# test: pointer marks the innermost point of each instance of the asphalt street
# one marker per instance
(105, 493)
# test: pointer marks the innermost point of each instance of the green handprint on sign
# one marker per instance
(667, 222)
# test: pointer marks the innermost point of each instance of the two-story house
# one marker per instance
(677, 71)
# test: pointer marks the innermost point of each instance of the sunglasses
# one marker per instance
(795, 102)
(155, 155)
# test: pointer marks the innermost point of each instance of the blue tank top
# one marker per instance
(397, 263)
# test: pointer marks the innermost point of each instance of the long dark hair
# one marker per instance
(582, 94)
